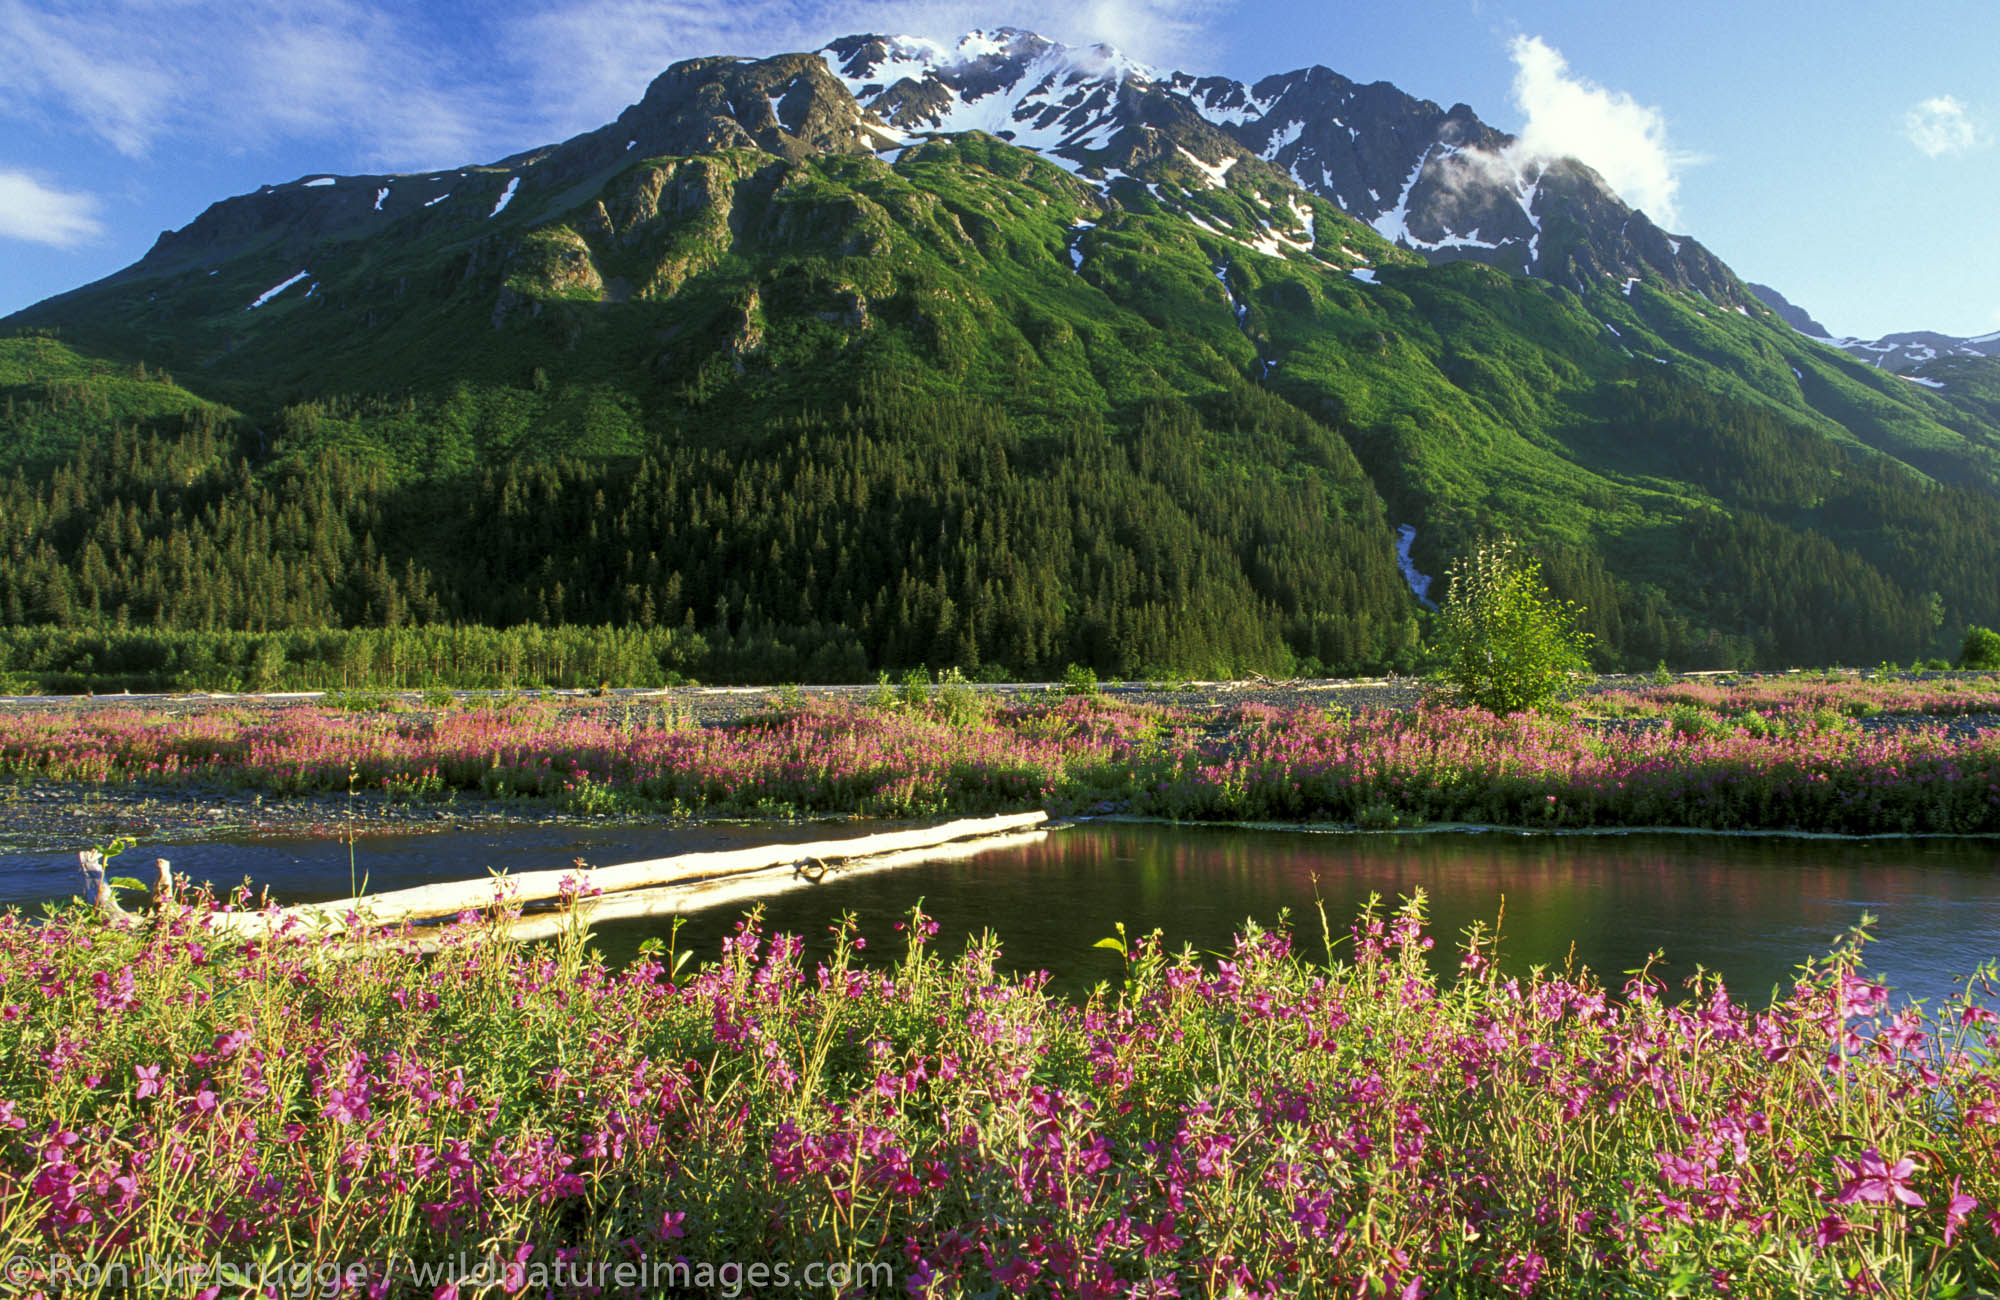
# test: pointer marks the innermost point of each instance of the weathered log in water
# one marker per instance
(742, 887)
(627, 889)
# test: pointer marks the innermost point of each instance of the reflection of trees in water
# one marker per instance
(1752, 908)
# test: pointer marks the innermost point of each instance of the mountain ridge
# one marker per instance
(1901, 353)
(1439, 182)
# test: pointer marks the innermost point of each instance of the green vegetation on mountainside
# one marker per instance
(966, 408)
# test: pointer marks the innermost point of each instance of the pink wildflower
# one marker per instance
(1873, 1180)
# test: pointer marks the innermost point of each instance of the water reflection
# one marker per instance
(1750, 908)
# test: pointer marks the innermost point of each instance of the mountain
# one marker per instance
(1000, 351)
(1796, 317)
(1904, 354)
(1897, 353)
(1438, 182)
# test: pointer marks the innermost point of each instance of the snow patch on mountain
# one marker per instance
(275, 290)
(909, 58)
(1076, 244)
(380, 195)
(1286, 135)
(974, 45)
(897, 140)
(1394, 225)
(1307, 218)
(317, 182)
(1216, 174)
(1230, 104)
(506, 197)
(1525, 194)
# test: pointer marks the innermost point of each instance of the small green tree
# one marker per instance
(1505, 642)
(1980, 649)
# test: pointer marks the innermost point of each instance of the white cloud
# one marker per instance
(62, 64)
(1942, 125)
(42, 214)
(1623, 140)
(346, 73)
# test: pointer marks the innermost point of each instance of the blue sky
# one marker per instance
(1845, 153)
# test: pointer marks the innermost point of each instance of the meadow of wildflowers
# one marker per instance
(1803, 756)
(1263, 1124)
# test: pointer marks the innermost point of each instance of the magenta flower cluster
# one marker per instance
(1260, 1125)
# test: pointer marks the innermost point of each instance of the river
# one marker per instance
(1751, 908)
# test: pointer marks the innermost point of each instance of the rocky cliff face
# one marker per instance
(1439, 182)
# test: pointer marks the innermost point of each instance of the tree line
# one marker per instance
(1221, 535)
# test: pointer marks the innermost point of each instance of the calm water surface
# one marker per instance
(1751, 908)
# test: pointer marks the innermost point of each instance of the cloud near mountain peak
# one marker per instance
(1624, 141)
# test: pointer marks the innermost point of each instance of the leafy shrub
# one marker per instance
(1760, 726)
(957, 701)
(1696, 723)
(581, 794)
(267, 665)
(1981, 648)
(1384, 816)
(1078, 680)
(362, 702)
(1505, 643)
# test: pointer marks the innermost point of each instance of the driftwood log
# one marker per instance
(653, 887)
(742, 887)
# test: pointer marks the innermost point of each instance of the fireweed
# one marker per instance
(1852, 695)
(1751, 763)
(1260, 1125)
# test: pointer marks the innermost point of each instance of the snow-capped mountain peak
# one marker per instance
(1438, 182)
(1015, 84)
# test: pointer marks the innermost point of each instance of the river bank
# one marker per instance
(1815, 754)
